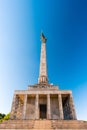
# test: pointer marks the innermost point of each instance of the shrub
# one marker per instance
(1, 120)
(7, 116)
(2, 115)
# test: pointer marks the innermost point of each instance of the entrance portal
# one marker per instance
(43, 111)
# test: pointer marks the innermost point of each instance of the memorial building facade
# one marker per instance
(43, 100)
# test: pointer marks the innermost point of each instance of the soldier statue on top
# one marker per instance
(43, 38)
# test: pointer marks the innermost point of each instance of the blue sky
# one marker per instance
(64, 22)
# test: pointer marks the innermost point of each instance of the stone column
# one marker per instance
(60, 106)
(72, 107)
(25, 106)
(37, 106)
(13, 108)
(48, 107)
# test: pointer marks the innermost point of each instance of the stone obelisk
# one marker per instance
(43, 66)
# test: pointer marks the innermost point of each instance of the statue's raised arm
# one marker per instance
(43, 38)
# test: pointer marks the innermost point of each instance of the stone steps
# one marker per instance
(17, 124)
(43, 125)
(69, 124)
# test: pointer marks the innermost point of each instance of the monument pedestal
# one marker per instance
(57, 104)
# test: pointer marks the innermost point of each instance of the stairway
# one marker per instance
(43, 125)
(17, 124)
(69, 124)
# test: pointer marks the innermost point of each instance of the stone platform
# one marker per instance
(43, 125)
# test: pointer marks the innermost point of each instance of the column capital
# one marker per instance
(48, 95)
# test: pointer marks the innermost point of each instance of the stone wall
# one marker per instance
(66, 109)
(54, 108)
(30, 109)
(17, 108)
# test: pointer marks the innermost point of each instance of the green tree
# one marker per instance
(2, 115)
(7, 116)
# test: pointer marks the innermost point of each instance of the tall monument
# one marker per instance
(43, 100)
(43, 66)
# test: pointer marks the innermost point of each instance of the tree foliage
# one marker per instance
(7, 116)
(4, 117)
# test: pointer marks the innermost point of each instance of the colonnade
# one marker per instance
(37, 97)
